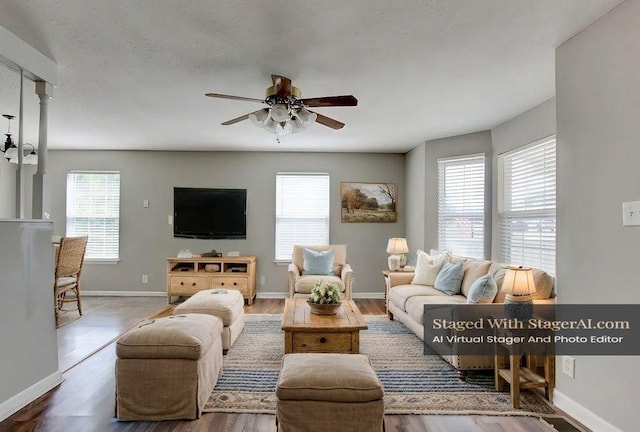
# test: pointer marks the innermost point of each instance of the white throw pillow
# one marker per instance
(447, 254)
(427, 268)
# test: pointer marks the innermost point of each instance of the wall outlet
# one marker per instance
(631, 213)
(263, 280)
(145, 203)
(568, 366)
(170, 220)
(145, 279)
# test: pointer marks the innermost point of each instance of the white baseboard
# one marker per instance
(124, 293)
(272, 295)
(368, 295)
(284, 295)
(19, 401)
(582, 414)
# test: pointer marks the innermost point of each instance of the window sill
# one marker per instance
(282, 262)
(101, 261)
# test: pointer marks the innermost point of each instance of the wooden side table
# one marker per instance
(387, 284)
(527, 377)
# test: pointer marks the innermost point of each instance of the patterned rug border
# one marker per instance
(267, 398)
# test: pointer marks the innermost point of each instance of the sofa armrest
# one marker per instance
(400, 278)
(347, 278)
(293, 274)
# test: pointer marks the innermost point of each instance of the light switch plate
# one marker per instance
(631, 213)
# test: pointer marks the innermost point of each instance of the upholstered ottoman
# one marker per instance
(226, 304)
(328, 392)
(167, 367)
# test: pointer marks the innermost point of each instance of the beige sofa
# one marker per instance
(300, 284)
(406, 302)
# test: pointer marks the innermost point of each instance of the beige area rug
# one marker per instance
(413, 383)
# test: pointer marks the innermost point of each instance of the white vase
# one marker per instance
(394, 262)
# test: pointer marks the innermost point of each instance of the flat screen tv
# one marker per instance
(210, 213)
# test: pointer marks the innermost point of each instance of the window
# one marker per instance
(302, 211)
(93, 209)
(461, 205)
(527, 205)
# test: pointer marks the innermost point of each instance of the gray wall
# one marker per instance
(597, 77)
(539, 122)
(415, 166)
(147, 239)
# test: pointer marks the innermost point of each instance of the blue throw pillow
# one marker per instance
(449, 279)
(483, 290)
(318, 263)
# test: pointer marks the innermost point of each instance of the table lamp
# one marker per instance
(519, 286)
(397, 247)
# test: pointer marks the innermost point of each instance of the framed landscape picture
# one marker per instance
(369, 202)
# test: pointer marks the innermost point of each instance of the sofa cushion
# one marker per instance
(472, 270)
(318, 262)
(401, 293)
(544, 284)
(427, 268)
(449, 278)
(415, 305)
(483, 290)
(307, 282)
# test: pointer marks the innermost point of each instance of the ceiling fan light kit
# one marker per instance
(287, 112)
(10, 149)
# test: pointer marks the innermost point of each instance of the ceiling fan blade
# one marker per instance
(244, 117)
(328, 121)
(330, 101)
(240, 98)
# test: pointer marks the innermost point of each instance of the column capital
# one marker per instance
(43, 88)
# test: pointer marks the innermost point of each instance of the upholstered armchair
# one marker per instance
(300, 283)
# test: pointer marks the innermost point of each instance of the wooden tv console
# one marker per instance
(187, 276)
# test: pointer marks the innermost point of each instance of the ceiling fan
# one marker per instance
(287, 112)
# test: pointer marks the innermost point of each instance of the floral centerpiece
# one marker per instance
(325, 298)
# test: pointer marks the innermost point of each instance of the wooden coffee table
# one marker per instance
(305, 332)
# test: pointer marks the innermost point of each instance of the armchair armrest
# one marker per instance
(293, 273)
(400, 278)
(347, 278)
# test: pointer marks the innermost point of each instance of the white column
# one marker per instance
(44, 90)
(19, 206)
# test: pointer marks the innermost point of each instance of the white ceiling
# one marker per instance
(132, 74)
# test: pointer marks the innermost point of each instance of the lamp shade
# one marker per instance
(518, 281)
(397, 245)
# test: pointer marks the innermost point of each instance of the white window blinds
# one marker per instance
(527, 205)
(461, 205)
(302, 211)
(93, 209)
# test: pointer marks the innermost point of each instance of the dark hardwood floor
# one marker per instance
(85, 400)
